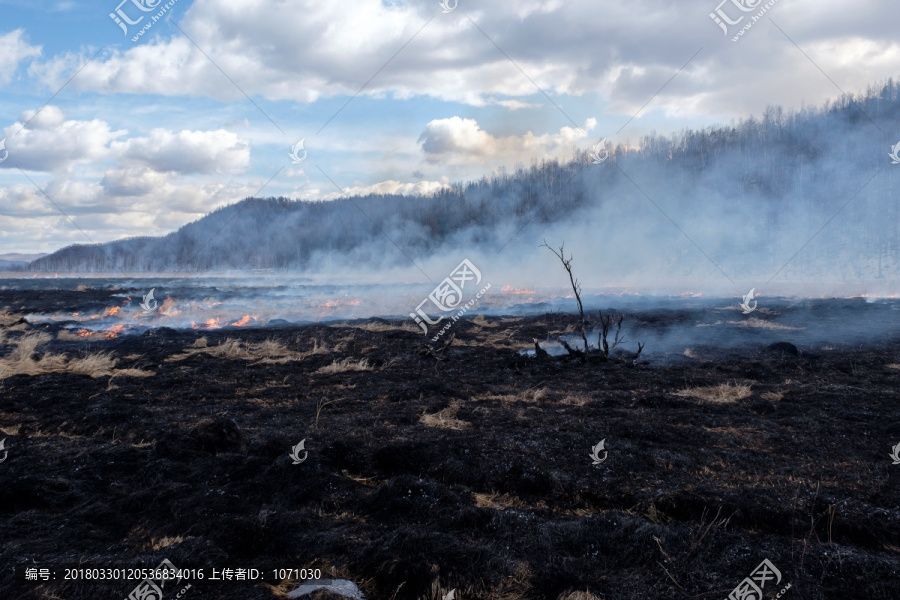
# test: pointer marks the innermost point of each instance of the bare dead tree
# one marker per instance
(576, 287)
(605, 323)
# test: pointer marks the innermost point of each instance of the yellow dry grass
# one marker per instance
(12, 322)
(25, 360)
(482, 322)
(576, 400)
(893, 366)
(724, 393)
(377, 327)
(503, 501)
(578, 596)
(342, 366)
(268, 351)
(165, 542)
(445, 419)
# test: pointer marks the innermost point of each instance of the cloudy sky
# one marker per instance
(116, 124)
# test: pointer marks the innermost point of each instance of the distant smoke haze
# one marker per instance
(790, 203)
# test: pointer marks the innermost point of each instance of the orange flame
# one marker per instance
(244, 320)
(113, 331)
(209, 324)
(508, 289)
(168, 307)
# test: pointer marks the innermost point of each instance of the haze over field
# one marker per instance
(460, 131)
(696, 207)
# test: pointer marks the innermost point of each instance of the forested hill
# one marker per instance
(748, 194)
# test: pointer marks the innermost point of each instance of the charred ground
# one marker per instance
(471, 472)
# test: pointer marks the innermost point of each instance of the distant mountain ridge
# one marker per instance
(13, 261)
(748, 195)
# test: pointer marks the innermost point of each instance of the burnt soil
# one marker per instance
(495, 495)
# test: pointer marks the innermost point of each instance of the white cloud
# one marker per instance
(309, 50)
(458, 141)
(187, 151)
(45, 141)
(14, 48)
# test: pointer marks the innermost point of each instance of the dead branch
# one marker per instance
(435, 352)
(572, 351)
(576, 287)
(602, 337)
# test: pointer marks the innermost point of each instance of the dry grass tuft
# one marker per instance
(64, 335)
(11, 321)
(165, 542)
(228, 349)
(342, 366)
(445, 419)
(318, 348)
(585, 595)
(576, 400)
(893, 366)
(95, 365)
(718, 394)
(773, 396)
(378, 327)
(24, 360)
(268, 351)
(502, 501)
(482, 322)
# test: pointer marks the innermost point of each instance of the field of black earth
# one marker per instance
(428, 469)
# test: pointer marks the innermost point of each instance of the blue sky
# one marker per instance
(154, 133)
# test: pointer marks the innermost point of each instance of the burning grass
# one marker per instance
(724, 393)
